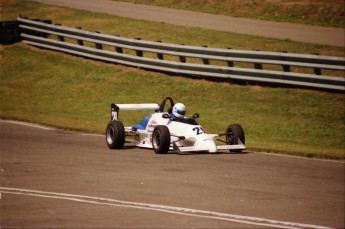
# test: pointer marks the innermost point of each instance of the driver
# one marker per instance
(178, 112)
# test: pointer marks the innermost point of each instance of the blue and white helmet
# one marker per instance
(179, 110)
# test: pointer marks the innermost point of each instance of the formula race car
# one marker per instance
(170, 130)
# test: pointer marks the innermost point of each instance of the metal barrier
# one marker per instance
(9, 32)
(171, 58)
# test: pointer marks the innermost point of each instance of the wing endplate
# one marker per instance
(115, 108)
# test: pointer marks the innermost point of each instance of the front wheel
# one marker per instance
(235, 136)
(115, 135)
(161, 139)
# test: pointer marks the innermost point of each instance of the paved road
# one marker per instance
(41, 168)
(295, 32)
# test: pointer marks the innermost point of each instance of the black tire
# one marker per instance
(235, 134)
(115, 135)
(161, 139)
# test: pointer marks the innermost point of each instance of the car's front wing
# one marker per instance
(231, 147)
(203, 149)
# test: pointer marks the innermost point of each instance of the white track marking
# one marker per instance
(29, 124)
(300, 157)
(161, 208)
(47, 127)
(87, 134)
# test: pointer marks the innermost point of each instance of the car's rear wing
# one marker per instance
(115, 108)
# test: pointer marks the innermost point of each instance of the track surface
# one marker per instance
(296, 32)
(60, 163)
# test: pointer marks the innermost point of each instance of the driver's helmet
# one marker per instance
(179, 110)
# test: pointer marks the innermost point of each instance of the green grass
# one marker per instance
(317, 12)
(74, 93)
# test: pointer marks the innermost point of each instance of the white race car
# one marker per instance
(161, 131)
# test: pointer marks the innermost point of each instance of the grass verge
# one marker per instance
(73, 93)
(319, 12)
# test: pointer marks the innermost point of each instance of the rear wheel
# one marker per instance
(115, 135)
(235, 136)
(161, 139)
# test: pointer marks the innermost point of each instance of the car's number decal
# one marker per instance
(150, 129)
(199, 130)
(114, 115)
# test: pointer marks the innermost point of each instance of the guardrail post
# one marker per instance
(98, 46)
(317, 71)
(139, 52)
(182, 58)
(286, 68)
(80, 42)
(205, 61)
(230, 63)
(45, 35)
(160, 55)
(118, 49)
(60, 38)
(258, 65)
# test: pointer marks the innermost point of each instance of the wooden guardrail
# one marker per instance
(172, 58)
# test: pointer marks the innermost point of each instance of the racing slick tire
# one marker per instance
(161, 139)
(115, 135)
(235, 135)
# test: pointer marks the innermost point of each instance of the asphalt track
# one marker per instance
(52, 178)
(295, 32)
